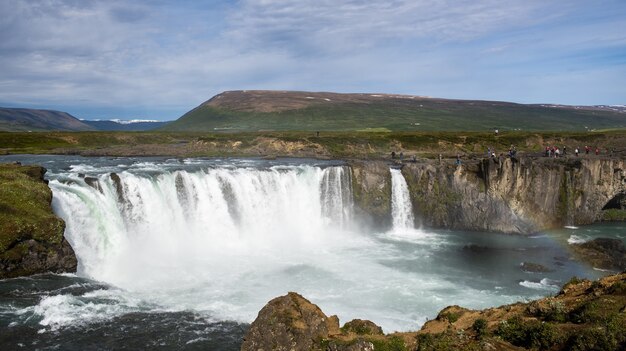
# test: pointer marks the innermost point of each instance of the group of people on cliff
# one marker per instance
(554, 151)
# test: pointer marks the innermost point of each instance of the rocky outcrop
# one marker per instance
(289, 322)
(31, 236)
(514, 195)
(603, 253)
(292, 322)
(585, 315)
(371, 186)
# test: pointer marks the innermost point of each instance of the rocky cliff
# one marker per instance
(31, 236)
(522, 195)
(585, 315)
(371, 187)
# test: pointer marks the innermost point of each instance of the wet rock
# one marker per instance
(530, 267)
(289, 322)
(371, 186)
(603, 253)
(93, 182)
(119, 188)
(33, 257)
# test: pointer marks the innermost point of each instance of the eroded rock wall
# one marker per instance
(506, 195)
(371, 186)
(545, 193)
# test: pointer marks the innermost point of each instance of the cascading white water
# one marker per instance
(401, 208)
(182, 215)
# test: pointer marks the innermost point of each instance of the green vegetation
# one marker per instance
(25, 211)
(451, 316)
(480, 327)
(584, 316)
(614, 214)
(308, 144)
(393, 343)
(529, 333)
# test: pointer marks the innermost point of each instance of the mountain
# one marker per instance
(121, 125)
(257, 110)
(22, 119)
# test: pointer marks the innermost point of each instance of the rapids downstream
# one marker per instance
(184, 253)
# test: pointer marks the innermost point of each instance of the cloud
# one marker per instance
(164, 57)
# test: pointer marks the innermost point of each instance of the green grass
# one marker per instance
(614, 214)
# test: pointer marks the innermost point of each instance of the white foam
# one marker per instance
(58, 311)
(577, 239)
(544, 284)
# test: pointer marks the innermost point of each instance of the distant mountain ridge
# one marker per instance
(24, 119)
(125, 125)
(259, 110)
(35, 120)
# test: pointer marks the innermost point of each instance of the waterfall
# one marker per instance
(180, 220)
(401, 208)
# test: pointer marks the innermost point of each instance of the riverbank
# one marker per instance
(339, 145)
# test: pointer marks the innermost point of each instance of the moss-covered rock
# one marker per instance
(289, 322)
(31, 236)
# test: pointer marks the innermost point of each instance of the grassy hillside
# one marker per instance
(21, 119)
(281, 111)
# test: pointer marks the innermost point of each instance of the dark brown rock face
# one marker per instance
(289, 322)
(33, 257)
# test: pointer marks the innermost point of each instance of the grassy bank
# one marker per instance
(300, 144)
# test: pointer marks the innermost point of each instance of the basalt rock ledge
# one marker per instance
(509, 195)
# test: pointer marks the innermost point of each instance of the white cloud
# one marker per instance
(171, 56)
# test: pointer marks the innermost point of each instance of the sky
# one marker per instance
(157, 59)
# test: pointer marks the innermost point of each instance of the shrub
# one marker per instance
(480, 327)
(393, 343)
(555, 312)
(618, 288)
(528, 334)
